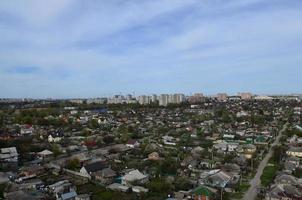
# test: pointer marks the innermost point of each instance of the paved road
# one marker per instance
(255, 182)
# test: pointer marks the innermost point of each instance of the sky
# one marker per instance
(95, 48)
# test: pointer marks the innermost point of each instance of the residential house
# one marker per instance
(20, 195)
(55, 136)
(203, 192)
(69, 195)
(82, 157)
(105, 176)
(219, 178)
(224, 146)
(231, 168)
(284, 192)
(205, 164)
(287, 179)
(169, 140)
(132, 143)
(63, 190)
(26, 129)
(90, 169)
(154, 156)
(134, 176)
(30, 172)
(289, 167)
(295, 151)
(248, 150)
(45, 154)
(228, 136)
(293, 160)
(139, 189)
(83, 197)
(9, 157)
(118, 187)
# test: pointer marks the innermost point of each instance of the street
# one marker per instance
(255, 182)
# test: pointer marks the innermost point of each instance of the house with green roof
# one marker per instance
(203, 192)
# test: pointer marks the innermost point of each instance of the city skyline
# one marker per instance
(75, 49)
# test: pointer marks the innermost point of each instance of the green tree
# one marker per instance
(278, 152)
(226, 117)
(27, 120)
(168, 166)
(182, 183)
(73, 164)
(159, 185)
(298, 173)
(93, 124)
(56, 150)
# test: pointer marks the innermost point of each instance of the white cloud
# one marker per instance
(144, 40)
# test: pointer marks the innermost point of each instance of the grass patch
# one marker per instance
(268, 175)
(241, 190)
(244, 187)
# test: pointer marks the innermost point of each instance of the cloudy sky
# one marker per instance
(71, 48)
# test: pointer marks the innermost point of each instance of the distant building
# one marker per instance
(119, 99)
(77, 101)
(196, 98)
(144, 100)
(116, 99)
(246, 95)
(222, 97)
(179, 98)
(263, 98)
(129, 97)
(96, 101)
(154, 98)
(163, 99)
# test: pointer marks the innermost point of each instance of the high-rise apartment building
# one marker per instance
(222, 97)
(154, 98)
(143, 99)
(246, 95)
(196, 98)
(163, 99)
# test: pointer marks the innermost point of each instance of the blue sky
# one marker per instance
(95, 48)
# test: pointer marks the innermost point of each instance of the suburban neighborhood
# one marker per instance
(169, 147)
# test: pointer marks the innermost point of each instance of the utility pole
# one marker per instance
(212, 157)
(252, 163)
(212, 154)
